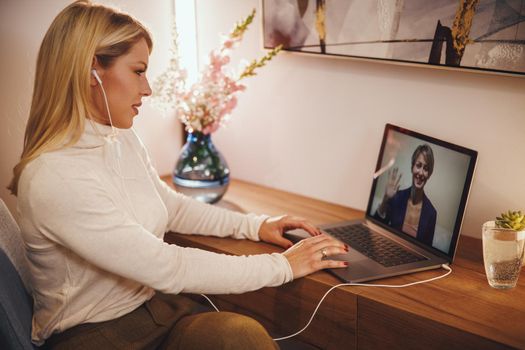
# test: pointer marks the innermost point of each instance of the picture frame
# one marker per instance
(486, 36)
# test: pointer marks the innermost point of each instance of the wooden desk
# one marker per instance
(460, 311)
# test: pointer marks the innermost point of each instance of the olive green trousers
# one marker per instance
(167, 322)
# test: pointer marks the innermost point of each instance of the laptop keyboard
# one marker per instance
(373, 245)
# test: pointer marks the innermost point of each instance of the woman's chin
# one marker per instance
(124, 124)
(419, 185)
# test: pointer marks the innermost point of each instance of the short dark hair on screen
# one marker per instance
(427, 153)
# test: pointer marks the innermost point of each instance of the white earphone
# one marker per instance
(95, 74)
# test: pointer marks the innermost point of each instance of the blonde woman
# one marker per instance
(94, 211)
(410, 210)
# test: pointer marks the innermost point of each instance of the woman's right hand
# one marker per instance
(392, 185)
(307, 256)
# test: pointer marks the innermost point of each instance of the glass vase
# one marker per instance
(503, 251)
(201, 171)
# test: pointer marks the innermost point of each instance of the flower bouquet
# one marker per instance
(206, 105)
(201, 171)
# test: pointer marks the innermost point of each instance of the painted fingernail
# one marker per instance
(345, 263)
(346, 247)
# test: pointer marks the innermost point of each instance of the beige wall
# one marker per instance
(22, 26)
(313, 125)
(308, 125)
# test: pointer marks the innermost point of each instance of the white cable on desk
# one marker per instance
(446, 267)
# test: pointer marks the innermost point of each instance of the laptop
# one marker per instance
(415, 209)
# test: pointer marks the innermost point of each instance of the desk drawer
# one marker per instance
(385, 327)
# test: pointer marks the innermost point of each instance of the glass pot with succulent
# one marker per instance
(504, 249)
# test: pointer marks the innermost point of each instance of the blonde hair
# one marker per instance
(61, 94)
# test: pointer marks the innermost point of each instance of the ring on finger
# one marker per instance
(323, 253)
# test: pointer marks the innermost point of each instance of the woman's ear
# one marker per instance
(95, 73)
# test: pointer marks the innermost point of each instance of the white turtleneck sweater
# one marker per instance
(94, 231)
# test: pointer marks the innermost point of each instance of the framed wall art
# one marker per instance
(481, 35)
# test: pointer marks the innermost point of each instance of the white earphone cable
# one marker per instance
(112, 139)
(114, 132)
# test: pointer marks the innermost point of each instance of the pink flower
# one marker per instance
(218, 60)
(206, 105)
(228, 107)
(228, 43)
(211, 128)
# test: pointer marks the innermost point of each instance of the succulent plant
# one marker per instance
(513, 220)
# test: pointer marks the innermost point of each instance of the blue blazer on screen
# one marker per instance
(397, 208)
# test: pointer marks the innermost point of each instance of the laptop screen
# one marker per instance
(420, 188)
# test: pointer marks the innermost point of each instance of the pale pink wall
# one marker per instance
(313, 125)
(305, 124)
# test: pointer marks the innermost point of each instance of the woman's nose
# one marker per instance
(146, 89)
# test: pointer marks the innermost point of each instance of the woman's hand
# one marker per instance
(392, 185)
(309, 255)
(273, 228)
